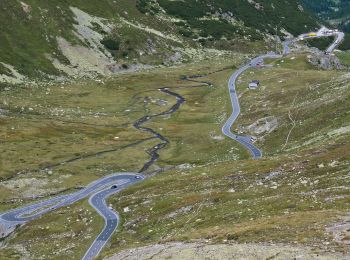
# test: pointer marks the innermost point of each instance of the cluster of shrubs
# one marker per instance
(324, 43)
(117, 48)
(329, 10)
(272, 13)
(321, 43)
(111, 44)
(346, 43)
(145, 6)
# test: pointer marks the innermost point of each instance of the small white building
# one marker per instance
(254, 84)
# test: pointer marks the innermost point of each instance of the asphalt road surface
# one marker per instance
(98, 202)
(339, 38)
(100, 191)
(246, 141)
(323, 32)
(236, 110)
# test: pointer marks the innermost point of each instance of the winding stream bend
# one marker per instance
(101, 189)
(153, 152)
(98, 191)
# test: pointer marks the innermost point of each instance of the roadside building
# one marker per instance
(254, 84)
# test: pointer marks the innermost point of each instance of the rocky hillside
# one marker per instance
(209, 17)
(57, 138)
(51, 39)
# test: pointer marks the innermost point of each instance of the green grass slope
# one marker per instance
(146, 32)
(294, 195)
(56, 138)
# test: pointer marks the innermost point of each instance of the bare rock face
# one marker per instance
(263, 125)
(326, 62)
(260, 127)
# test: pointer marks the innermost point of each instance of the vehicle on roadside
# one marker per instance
(253, 139)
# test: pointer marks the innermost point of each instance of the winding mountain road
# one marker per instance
(246, 141)
(98, 191)
(324, 32)
(101, 189)
(236, 110)
(111, 218)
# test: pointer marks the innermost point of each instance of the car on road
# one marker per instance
(114, 187)
(253, 139)
(138, 177)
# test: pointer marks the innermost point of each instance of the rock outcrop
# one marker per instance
(326, 62)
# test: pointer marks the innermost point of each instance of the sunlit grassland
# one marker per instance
(216, 192)
(43, 127)
(308, 103)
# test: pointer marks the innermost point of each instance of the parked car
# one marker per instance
(253, 139)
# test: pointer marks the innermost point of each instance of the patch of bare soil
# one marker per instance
(341, 231)
(199, 250)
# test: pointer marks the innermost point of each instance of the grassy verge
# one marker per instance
(216, 192)
(344, 57)
(43, 127)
